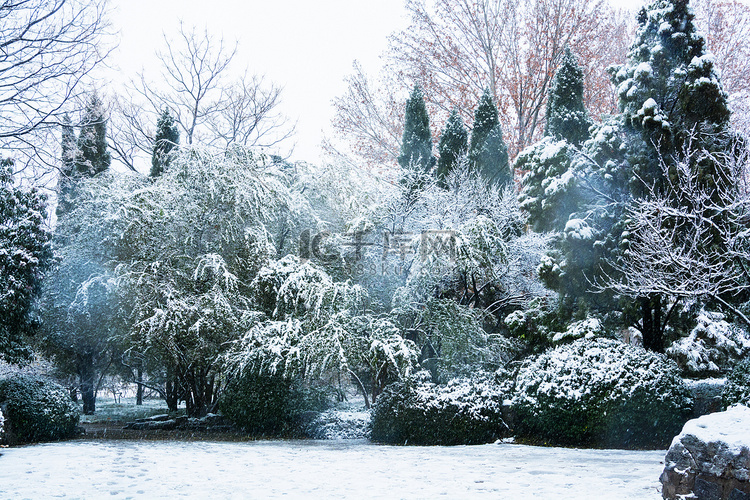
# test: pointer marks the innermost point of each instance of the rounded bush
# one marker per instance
(737, 388)
(600, 392)
(462, 412)
(269, 405)
(36, 409)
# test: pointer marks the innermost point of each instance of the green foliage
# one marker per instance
(67, 170)
(167, 139)
(488, 154)
(36, 409)
(737, 388)
(269, 405)
(452, 147)
(550, 191)
(460, 413)
(25, 256)
(600, 392)
(566, 116)
(492, 161)
(416, 145)
(92, 156)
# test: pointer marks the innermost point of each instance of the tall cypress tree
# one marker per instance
(416, 145)
(67, 165)
(566, 115)
(92, 156)
(488, 153)
(453, 145)
(485, 119)
(492, 162)
(167, 138)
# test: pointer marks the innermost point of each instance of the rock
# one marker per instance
(710, 458)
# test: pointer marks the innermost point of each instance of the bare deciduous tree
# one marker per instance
(210, 105)
(47, 50)
(456, 49)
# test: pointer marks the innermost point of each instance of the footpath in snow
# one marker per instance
(323, 469)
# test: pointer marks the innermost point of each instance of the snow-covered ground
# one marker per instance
(323, 469)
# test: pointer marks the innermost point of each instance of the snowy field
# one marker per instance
(323, 469)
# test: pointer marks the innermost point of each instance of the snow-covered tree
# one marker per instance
(92, 155)
(669, 96)
(453, 145)
(416, 145)
(25, 256)
(318, 327)
(550, 190)
(566, 116)
(167, 139)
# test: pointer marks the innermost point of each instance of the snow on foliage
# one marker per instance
(586, 328)
(25, 256)
(318, 327)
(712, 347)
(600, 391)
(464, 411)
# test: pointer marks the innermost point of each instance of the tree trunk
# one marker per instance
(139, 389)
(86, 378)
(171, 391)
(652, 328)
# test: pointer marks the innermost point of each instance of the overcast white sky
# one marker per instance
(305, 46)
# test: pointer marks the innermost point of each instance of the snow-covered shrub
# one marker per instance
(36, 409)
(600, 392)
(712, 347)
(2, 426)
(737, 388)
(585, 328)
(462, 412)
(269, 405)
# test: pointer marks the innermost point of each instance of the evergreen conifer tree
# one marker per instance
(453, 145)
(669, 94)
(67, 165)
(566, 115)
(485, 119)
(488, 154)
(167, 138)
(416, 146)
(668, 90)
(492, 162)
(92, 156)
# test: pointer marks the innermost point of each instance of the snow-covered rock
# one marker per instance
(710, 458)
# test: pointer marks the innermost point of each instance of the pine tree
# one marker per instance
(416, 146)
(566, 115)
(167, 138)
(67, 166)
(453, 145)
(488, 154)
(92, 156)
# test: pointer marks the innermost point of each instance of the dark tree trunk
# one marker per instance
(86, 377)
(171, 389)
(139, 389)
(653, 329)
